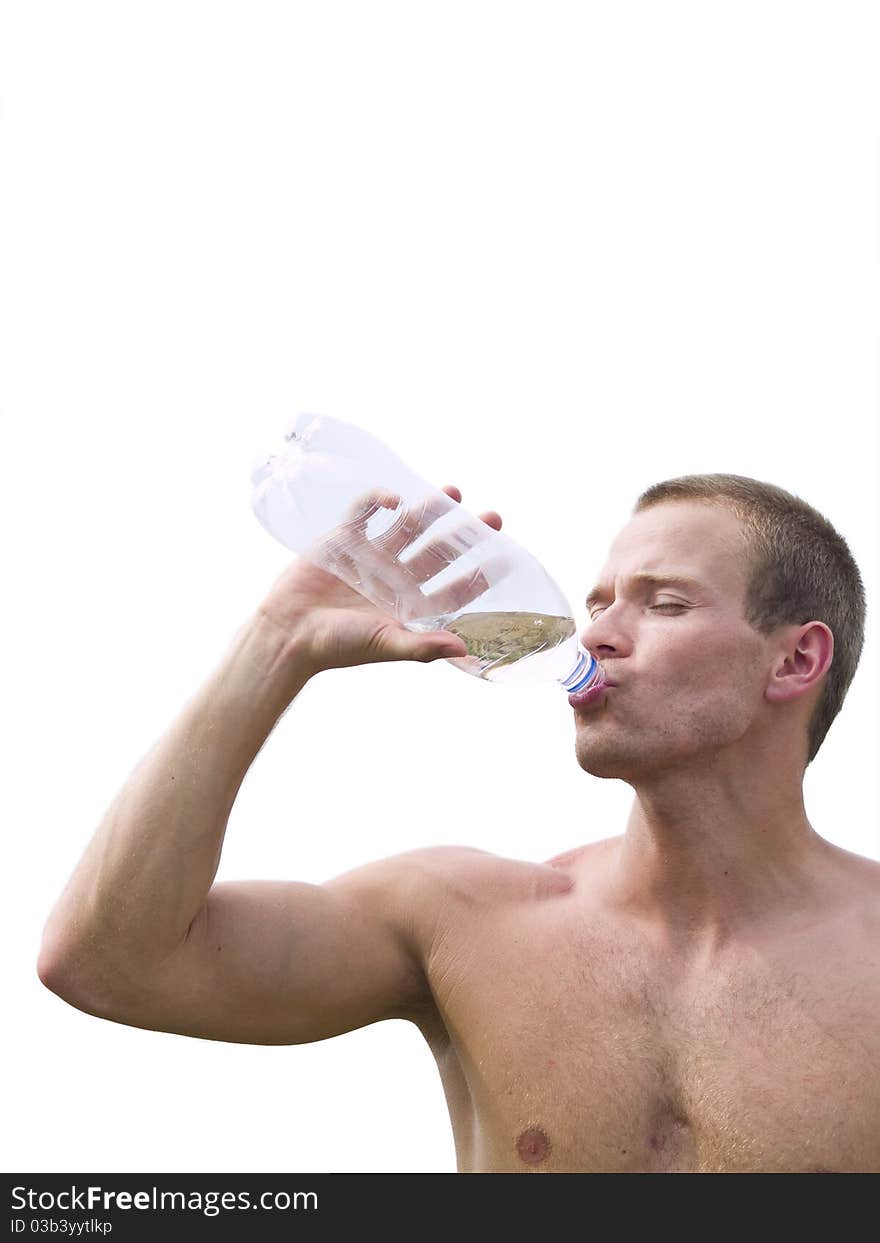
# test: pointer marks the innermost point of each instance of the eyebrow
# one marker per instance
(653, 580)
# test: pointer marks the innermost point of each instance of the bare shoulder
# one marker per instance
(858, 865)
(470, 877)
(423, 892)
(583, 864)
(835, 950)
(859, 904)
(863, 912)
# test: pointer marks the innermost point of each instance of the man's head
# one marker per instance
(755, 653)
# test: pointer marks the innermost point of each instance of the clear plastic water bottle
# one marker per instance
(340, 498)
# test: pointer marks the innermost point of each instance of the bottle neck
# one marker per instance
(587, 672)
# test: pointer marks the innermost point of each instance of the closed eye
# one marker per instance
(678, 608)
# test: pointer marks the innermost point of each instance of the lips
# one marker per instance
(584, 699)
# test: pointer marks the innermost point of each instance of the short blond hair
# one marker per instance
(801, 570)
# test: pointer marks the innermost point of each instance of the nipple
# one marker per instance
(533, 1145)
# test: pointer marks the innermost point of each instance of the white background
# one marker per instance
(549, 252)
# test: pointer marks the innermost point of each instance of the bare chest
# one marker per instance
(588, 1052)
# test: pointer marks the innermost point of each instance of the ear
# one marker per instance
(804, 657)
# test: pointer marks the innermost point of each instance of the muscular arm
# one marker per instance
(140, 936)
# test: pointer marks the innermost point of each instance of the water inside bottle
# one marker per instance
(495, 641)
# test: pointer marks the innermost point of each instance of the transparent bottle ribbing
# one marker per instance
(339, 497)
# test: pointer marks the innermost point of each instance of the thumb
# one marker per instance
(403, 644)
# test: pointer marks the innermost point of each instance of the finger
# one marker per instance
(468, 587)
(413, 523)
(436, 556)
(405, 527)
(361, 510)
(431, 561)
(491, 517)
(397, 643)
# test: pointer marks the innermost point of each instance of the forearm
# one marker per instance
(148, 869)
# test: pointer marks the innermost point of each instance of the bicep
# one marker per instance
(271, 962)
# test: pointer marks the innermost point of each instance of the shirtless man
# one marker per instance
(698, 993)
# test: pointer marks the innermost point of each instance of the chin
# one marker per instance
(604, 761)
(629, 761)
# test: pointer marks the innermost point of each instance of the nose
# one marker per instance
(604, 637)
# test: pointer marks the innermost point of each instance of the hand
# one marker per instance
(336, 627)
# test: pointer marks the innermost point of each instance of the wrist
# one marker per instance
(282, 654)
(270, 661)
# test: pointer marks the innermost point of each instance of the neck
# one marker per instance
(708, 853)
